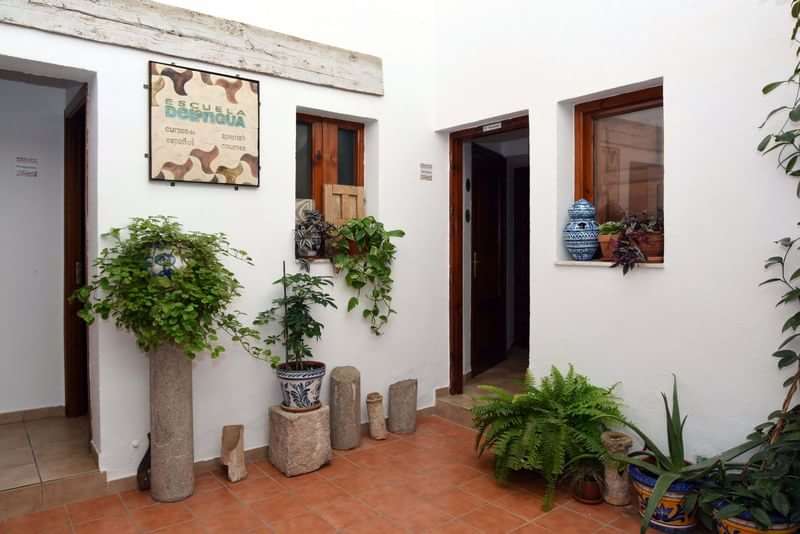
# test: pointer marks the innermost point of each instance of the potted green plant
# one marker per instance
(651, 240)
(586, 480)
(667, 483)
(609, 233)
(300, 377)
(170, 289)
(547, 427)
(365, 253)
(310, 235)
(762, 494)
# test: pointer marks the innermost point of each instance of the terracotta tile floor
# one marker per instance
(429, 481)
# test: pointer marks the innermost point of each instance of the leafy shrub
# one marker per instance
(546, 428)
(185, 305)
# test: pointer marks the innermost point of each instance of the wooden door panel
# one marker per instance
(488, 259)
(342, 203)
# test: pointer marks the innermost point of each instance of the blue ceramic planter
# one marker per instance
(580, 233)
(301, 387)
(671, 514)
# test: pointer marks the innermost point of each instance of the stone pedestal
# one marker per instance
(233, 452)
(299, 442)
(377, 419)
(618, 487)
(171, 425)
(345, 408)
(403, 406)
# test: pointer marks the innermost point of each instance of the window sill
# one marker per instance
(606, 264)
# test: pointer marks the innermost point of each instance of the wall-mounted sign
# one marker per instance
(204, 127)
(27, 167)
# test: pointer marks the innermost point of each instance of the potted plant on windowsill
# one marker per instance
(365, 253)
(667, 484)
(608, 236)
(638, 242)
(170, 289)
(310, 235)
(300, 377)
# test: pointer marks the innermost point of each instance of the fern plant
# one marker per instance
(546, 428)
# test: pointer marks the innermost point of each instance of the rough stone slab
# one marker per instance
(403, 406)
(345, 408)
(171, 425)
(299, 442)
(233, 452)
(177, 32)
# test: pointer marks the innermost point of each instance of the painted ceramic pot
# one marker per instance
(301, 387)
(163, 261)
(743, 524)
(580, 233)
(671, 514)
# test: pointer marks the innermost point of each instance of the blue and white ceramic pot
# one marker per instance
(671, 514)
(300, 387)
(580, 233)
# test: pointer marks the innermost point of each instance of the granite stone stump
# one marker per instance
(299, 442)
(345, 408)
(232, 456)
(171, 425)
(617, 489)
(403, 406)
(377, 419)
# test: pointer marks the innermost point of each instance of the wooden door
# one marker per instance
(522, 251)
(76, 363)
(488, 259)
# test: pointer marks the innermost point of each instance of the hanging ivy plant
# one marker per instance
(166, 285)
(365, 253)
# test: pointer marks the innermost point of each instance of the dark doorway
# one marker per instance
(489, 309)
(76, 360)
(488, 254)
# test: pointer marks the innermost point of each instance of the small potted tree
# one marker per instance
(300, 377)
(170, 289)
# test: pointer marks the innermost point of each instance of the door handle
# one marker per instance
(475, 263)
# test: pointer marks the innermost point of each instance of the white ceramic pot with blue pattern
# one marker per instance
(580, 233)
(301, 387)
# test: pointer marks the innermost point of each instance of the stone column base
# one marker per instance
(299, 442)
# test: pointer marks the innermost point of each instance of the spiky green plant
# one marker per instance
(545, 428)
(672, 466)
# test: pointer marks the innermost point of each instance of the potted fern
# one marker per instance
(300, 377)
(170, 289)
(551, 425)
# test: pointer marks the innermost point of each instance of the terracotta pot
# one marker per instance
(652, 245)
(587, 492)
(671, 514)
(608, 243)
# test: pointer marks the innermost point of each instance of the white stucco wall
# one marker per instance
(702, 316)
(32, 241)
(235, 388)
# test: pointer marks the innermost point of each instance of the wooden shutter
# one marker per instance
(342, 203)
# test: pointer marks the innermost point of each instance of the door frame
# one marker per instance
(457, 140)
(76, 373)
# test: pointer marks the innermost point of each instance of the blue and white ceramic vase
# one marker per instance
(580, 233)
(301, 387)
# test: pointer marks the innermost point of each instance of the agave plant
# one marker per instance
(672, 466)
(547, 428)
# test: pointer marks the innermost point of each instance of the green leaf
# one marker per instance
(787, 361)
(730, 510)
(771, 87)
(769, 281)
(795, 114)
(781, 503)
(352, 303)
(762, 517)
(662, 485)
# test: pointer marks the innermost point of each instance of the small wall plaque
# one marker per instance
(426, 171)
